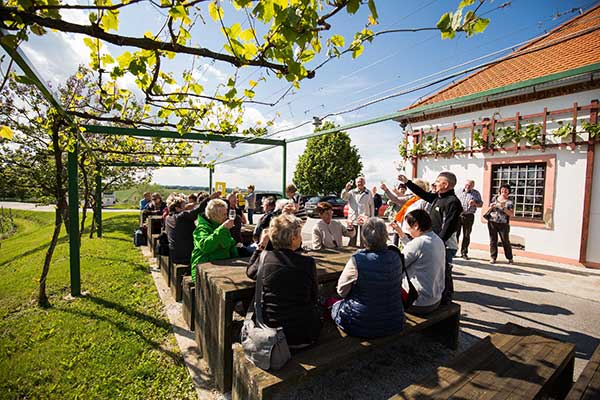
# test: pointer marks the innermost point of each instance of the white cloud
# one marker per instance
(208, 73)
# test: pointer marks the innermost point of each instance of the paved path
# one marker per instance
(35, 207)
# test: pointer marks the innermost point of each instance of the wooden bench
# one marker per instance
(165, 270)
(587, 386)
(189, 298)
(154, 225)
(513, 363)
(334, 348)
(177, 273)
(219, 286)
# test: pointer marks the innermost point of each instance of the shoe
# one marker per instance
(493, 261)
(510, 261)
(466, 257)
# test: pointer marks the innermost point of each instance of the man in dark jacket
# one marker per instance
(445, 213)
(268, 206)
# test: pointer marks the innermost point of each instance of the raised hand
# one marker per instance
(402, 178)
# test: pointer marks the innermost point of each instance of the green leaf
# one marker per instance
(38, 30)
(353, 6)
(249, 93)
(465, 3)
(124, 59)
(357, 51)
(373, 9)
(247, 35)
(480, 25)
(6, 132)
(444, 22)
(215, 11)
(337, 40)
(306, 55)
(110, 20)
(107, 59)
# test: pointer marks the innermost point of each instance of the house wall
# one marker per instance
(560, 236)
(593, 245)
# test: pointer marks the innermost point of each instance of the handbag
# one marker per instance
(264, 346)
(409, 298)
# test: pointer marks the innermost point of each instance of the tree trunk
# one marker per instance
(42, 297)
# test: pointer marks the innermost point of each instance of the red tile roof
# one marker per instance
(573, 44)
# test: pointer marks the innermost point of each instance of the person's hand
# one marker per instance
(402, 178)
(374, 190)
(384, 187)
(215, 195)
(348, 185)
(472, 203)
(228, 223)
(264, 239)
(397, 229)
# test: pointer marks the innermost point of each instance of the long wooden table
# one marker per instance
(219, 285)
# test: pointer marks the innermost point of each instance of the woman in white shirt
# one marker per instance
(425, 260)
(328, 233)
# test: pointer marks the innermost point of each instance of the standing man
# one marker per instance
(445, 217)
(377, 200)
(471, 201)
(250, 203)
(360, 204)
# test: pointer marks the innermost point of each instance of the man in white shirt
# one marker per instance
(360, 205)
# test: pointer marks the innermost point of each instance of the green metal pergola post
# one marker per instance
(210, 179)
(99, 204)
(283, 169)
(74, 220)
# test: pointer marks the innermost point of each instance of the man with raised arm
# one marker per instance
(446, 209)
(360, 205)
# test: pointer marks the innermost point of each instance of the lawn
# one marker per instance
(114, 342)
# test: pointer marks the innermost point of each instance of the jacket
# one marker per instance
(445, 212)
(180, 228)
(211, 242)
(373, 308)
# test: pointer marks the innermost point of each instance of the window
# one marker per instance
(527, 182)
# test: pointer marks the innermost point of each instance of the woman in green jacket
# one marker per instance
(212, 239)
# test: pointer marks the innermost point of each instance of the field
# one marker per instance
(114, 342)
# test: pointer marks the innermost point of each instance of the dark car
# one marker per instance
(259, 196)
(336, 203)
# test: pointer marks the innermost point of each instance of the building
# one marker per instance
(531, 120)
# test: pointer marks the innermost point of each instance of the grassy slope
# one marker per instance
(113, 343)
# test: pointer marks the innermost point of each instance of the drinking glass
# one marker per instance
(232, 214)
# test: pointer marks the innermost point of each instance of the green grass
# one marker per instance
(115, 342)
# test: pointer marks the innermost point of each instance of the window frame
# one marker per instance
(549, 183)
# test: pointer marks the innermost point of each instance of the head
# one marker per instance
(469, 185)
(202, 196)
(268, 204)
(325, 211)
(290, 190)
(216, 211)
(401, 189)
(192, 198)
(286, 206)
(423, 184)
(433, 188)
(504, 190)
(232, 199)
(250, 188)
(374, 234)
(418, 222)
(156, 198)
(147, 196)
(445, 182)
(285, 232)
(360, 182)
(176, 202)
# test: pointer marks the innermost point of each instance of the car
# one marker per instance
(380, 212)
(259, 196)
(336, 202)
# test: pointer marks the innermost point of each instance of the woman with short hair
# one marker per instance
(328, 233)
(289, 281)
(425, 261)
(498, 216)
(212, 236)
(371, 285)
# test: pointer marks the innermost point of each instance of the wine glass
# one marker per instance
(232, 214)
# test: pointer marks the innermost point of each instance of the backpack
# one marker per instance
(139, 239)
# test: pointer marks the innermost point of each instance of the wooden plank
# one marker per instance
(177, 273)
(588, 384)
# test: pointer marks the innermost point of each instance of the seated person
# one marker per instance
(290, 287)
(371, 285)
(212, 238)
(156, 205)
(180, 225)
(425, 260)
(145, 201)
(285, 206)
(240, 219)
(328, 232)
(268, 206)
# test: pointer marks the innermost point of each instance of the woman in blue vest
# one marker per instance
(371, 286)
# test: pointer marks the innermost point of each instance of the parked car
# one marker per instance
(380, 212)
(336, 202)
(259, 196)
(108, 199)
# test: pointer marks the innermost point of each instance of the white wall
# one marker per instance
(593, 247)
(563, 240)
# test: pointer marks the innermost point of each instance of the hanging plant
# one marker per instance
(531, 134)
(444, 146)
(417, 150)
(592, 129)
(563, 130)
(429, 146)
(505, 135)
(479, 142)
(457, 145)
(403, 150)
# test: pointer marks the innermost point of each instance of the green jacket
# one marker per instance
(211, 242)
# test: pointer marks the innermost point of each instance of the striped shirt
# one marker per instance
(465, 197)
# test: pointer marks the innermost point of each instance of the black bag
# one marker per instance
(412, 294)
(139, 239)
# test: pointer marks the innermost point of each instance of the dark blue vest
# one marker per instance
(373, 308)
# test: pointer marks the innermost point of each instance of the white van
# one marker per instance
(108, 199)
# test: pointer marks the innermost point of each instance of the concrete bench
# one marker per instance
(513, 363)
(177, 273)
(587, 386)
(189, 298)
(334, 348)
(165, 269)
(154, 244)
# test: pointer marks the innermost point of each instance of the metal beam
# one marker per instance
(211, 170)
(283, 170)
(99, 204)
(74, 221)
(152, 164)
(113, 130)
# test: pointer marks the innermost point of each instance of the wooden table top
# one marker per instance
(230, 275)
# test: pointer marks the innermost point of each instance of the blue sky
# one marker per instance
(387, 64)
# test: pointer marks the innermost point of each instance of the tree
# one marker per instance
(328, 163)
(291, 39)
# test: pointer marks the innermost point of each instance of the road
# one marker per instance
(35, 207)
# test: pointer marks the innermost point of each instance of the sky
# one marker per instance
(388, 65)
